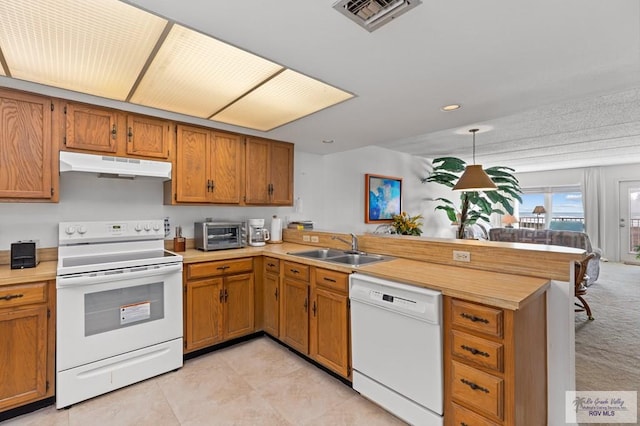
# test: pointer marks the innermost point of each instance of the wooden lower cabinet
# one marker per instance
(219, 302)
(307, 308)
(271, 296)
(329, 326)
(27, 334)
(494, 364)
(294, 324)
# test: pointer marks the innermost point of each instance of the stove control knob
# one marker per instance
(70, 230)
(147, 227)
(156, 227)
(82, 230)
(138, 228)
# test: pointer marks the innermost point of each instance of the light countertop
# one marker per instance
(497, 289)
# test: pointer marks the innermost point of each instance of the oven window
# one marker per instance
(114, 309)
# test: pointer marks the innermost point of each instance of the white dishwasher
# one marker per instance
(396, 332)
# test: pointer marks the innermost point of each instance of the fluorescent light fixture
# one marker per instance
(286, 97)
(198, 75)
(94, 47)
(111, 49)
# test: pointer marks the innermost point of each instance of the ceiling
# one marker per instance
(557, 82)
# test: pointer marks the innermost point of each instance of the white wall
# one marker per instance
(609, 204)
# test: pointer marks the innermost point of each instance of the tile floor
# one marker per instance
(258, 382)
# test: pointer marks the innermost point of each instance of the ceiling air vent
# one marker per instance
(372, 14)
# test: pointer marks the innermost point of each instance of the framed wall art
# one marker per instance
(383, 198)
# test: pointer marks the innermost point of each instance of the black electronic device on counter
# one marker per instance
(24, 254)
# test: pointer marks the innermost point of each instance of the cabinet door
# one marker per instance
(271, 296)
(92, 128)
(148, 137)
(281, 174)
(225, 168)
(191, 165)
(23, 375)
(257, 175)
(294, 324)
(25, 146)
(203, 313)
(330, 330)
(238, 305)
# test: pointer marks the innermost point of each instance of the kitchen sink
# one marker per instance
(341, 257)
(319, 253)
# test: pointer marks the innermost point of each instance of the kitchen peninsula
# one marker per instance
(516, 294)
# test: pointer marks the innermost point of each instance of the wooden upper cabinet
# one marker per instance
(148, 137)
(114, 132)
(92, 129)
(26, 147)
(208, 166)
(269, 175)
(225, 167)
(192, 172)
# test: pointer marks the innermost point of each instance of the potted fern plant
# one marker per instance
(474, 206)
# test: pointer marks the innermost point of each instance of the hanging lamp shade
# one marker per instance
(474, 178)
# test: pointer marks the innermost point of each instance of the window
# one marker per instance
(562, 209)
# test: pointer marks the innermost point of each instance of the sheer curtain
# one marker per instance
(592, 194)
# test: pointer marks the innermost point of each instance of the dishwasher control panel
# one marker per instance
(406, 299)
(400, 302)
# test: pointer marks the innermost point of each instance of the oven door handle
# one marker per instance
(149, 271)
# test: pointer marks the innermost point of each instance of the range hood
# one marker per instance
(114, 167)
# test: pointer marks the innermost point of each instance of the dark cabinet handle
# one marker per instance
(11, 296)
(226, 295)
(463, 424)
(474, 351)
(306, 304)
(221, 295)
(222, 268)
(295, 271)
(271, 265)
(213, 186)
(331, 280)
(314, 308)
(474, 386)
(276, 293)
(130, 134)
(474, 318)
(114, 132)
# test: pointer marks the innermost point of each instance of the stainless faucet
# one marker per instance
(354, 242)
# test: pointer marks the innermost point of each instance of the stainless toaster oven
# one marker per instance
(218, 235)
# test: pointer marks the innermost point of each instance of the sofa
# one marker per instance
(552, 237)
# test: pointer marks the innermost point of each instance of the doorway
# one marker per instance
(629, 221)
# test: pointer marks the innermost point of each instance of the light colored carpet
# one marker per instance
(608, 348)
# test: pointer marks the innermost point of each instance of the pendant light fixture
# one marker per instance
(474, 178)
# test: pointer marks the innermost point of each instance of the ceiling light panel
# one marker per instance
(286, 97)
(91, 46)
(198, 75)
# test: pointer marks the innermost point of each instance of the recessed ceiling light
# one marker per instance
(327, 141)
(451, 107)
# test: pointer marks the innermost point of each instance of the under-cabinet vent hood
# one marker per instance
(115, 167)
(372, 14)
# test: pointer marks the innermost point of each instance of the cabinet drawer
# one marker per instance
(332, 279)
(296, 271)
(272, 265)
(23, 294)
(220, 267)
(477, 389)
(483, 319)
(477, 350)
(462, 416)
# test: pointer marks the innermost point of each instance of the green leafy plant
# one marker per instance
(474, 205)
(637, 249)
(407, 225)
